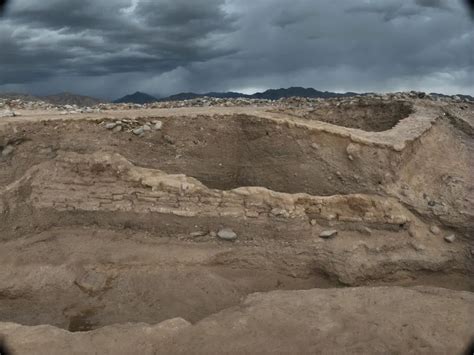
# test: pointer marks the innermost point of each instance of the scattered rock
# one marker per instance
(91, 281)
(197, 234)
(326, 234)
(315, 146)
(388, 177)
(413, 232)
(117, 129)
(352, 150)
(366, 230)
(280, 212)
(7, 113)
(110, 125)
(227, 234)
(435, 230)
(252, 214)
(313, 222)
(169, 139)
(48, 151)
(146, 128)
(138, 131)
(450, 238)
(158, 125)
(418, 247)
(8, 150)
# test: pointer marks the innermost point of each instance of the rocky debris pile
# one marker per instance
(198, 102)
(19, 104)
(71, 109)
(25, 104)
(281, 103)
(132, 126)
(7, 113)
(301, 102)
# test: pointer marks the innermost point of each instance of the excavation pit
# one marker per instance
(222, 151)
(366, 115)
(101, 227)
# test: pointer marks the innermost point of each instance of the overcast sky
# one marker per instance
(108, 48)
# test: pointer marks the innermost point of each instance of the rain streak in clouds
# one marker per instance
(112, 47)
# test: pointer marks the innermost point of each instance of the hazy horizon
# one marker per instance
(194, 92)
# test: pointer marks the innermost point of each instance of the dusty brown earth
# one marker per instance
(340, 227)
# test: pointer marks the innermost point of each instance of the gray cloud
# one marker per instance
(388, 10)
(437, 4)
(111, 47)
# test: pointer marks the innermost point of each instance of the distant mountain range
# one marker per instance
(19, 96)
(64, 98)
(272, 94)
(67, 98)
(276, 94)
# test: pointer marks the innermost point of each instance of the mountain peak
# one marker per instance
(137, 97)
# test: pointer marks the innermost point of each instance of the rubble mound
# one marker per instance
(155, 222)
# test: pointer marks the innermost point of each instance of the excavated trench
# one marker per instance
(81, 278)
(366, 115)
(89, 240)
(223, 152)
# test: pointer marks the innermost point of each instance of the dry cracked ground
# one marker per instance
(344, 227)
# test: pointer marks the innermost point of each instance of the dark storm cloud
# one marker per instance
(40, 39)
(110, 47)
(388, 11)
(439, 4)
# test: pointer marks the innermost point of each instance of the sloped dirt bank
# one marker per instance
(355, 320)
